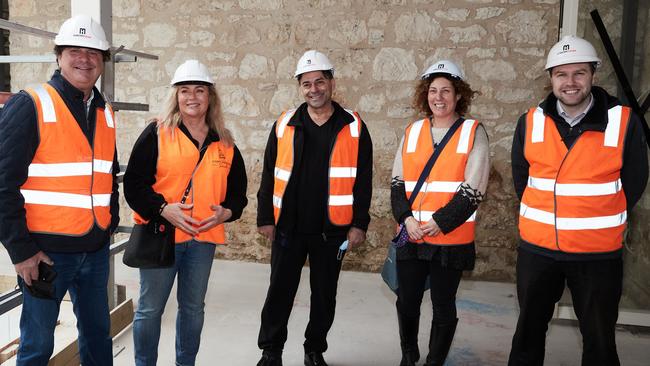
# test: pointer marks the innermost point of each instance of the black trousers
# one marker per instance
(595, 290)
(288, 256)
(411, 276)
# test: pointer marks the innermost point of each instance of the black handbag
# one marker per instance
(150, 245)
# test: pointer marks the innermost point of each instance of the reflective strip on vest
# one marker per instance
(69, 169)
(282, 174)
(436, 186)
(49, 115)
(283, 122)
(424, 216)
(343, 172)
(575, 189)
(108, 114)
(354, 126)
(66, 199)
(345, 200)
(277, 201)
(538, 125)
(465, 133)
(414, 135)
(613, 126)
(573, 223)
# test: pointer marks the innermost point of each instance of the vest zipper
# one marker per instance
(557, 239)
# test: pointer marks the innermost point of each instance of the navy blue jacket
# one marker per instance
(19, 138)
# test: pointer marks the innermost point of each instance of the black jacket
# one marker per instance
(140, 176)
(634, 173)
(362, 190)
(19, 138)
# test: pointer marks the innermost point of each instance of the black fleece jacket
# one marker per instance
(362, 190)
(634, 173)
(19, 138)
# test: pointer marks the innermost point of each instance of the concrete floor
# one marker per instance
(365, 329)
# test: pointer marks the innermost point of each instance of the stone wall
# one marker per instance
(379, 48)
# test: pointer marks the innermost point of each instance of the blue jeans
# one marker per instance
(85, 276)
(193, 264)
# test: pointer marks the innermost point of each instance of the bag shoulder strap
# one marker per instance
(432, 160)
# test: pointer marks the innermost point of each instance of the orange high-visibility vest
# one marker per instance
(447, 174)
(574, 201)
(69, 183)
(177, 165)
(342, 168)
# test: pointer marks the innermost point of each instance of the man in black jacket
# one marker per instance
(58, 196)
(579, 165)
(313, 200)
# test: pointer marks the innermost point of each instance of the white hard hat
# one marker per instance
(444, 67)
(82, 31)
(313, 60)
(571, 50)
(192, 70)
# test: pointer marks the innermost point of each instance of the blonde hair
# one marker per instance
(171, 117)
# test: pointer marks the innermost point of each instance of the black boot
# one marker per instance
(408, 335)
(440, 342)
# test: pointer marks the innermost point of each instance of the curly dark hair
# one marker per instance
(421, 102)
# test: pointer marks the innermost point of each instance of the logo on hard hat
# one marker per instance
(441, 66)
(82, 30)
(565, 47)
(309, 62)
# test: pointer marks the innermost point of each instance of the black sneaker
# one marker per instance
(314, 359)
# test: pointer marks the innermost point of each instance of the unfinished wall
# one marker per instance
(379, 47)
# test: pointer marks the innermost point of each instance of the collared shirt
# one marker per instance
(89, 102)
(572, 121)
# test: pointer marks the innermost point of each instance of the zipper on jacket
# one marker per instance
(557, 237)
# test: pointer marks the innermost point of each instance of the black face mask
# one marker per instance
(42, 287)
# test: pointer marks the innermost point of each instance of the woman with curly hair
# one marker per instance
(440, 220)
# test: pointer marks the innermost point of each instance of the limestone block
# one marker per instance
(482, 52)
(371, 103)
(399, 92)
(285, 97)
(536, 71)
(240, 34)
(350, 63)
(514, 95)
(286, 67)
(223, 56)
(212, 5)
(22, 9)
(238, 101)
(400, 111)
(158, 96)
(418, 27)
(455, 14)
(202, 38)
(395, 64)
(530, 51)
(494, 70)
(159, 35)
(525, 26)
(223, 72)
(255, 66)
(324, 4)
(126, 8)
(375, 36)
(127, 40)
(486, 111)
(279, 34)
(378, 18)
(349, 32)
(489, 12)
(308, 32)
(473, 33)
(372, 3)
(260, 4)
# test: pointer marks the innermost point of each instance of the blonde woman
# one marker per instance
(185, 168)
